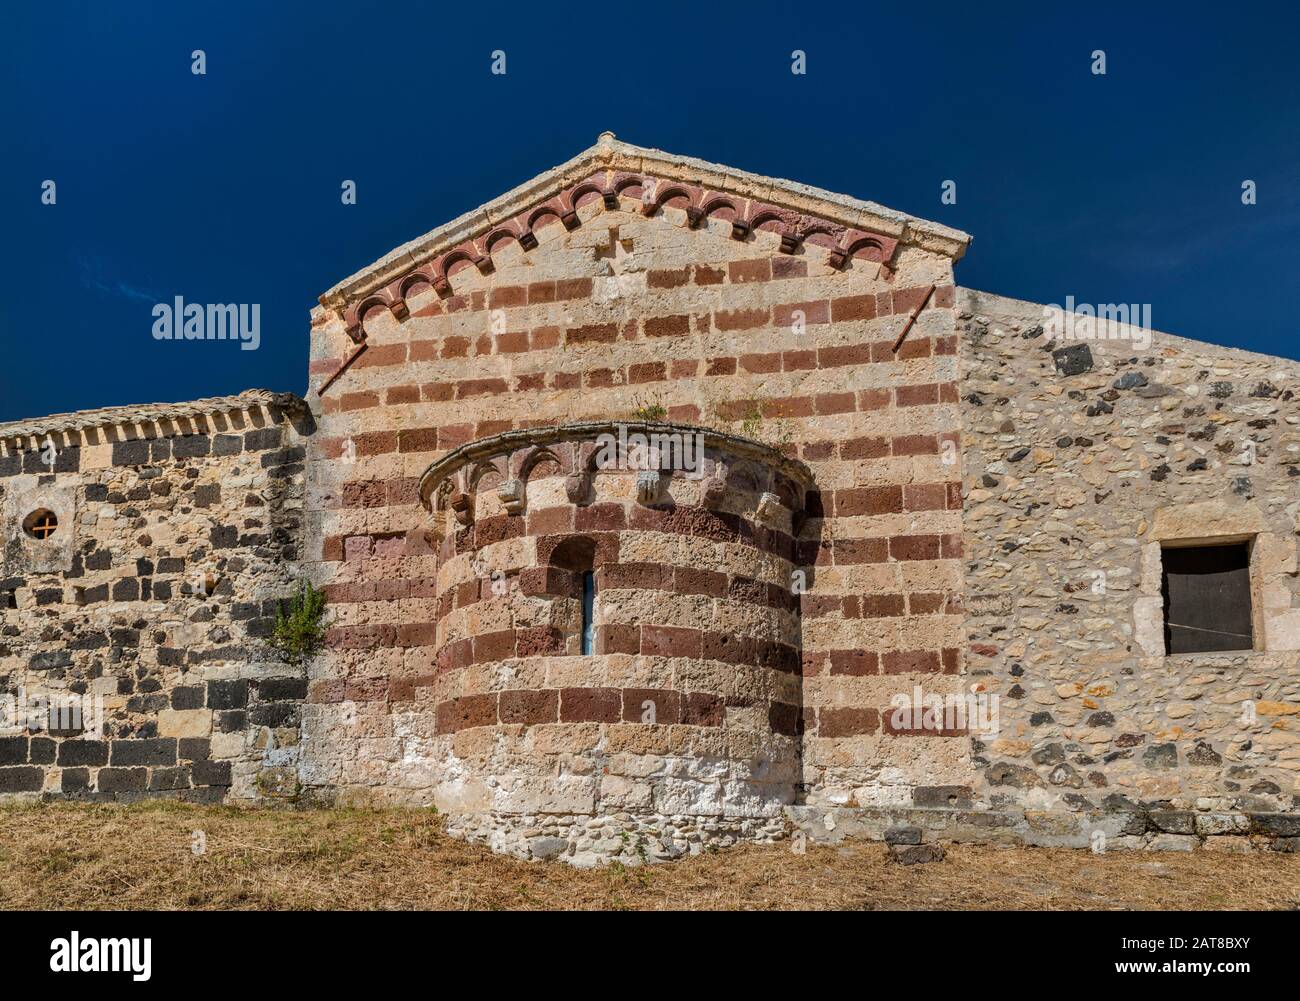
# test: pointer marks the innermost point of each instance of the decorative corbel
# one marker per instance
(511, 493)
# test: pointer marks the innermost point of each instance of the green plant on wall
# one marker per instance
(649, 411)
(300, 628)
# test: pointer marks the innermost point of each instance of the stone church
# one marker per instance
(661, 506)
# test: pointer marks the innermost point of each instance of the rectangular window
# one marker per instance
(1207, 598)
(588, 610)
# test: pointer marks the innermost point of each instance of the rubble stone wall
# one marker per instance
(152, 599)
(1082, 457)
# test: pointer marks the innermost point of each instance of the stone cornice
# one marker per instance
(148, 413)
(510, 443)
(610, 171)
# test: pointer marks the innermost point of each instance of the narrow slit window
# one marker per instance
(1207, 598)
(588, 610)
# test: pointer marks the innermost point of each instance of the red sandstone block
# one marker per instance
(945, 297)
(703, 709)
(815, 662)
(377, 355)
(761, 363)
(951, 658)
(847, 722)
(865, 448)
(417, 634)
(951, 547)
(640, 576)
(704, 274)
(614, 638)
(925, 603)
(915, 396)
(914, 547)
(817, 451)
(954, 499)
(481, 387)
(882, 606)
(948, 392)
(455, 655)
(594, 333)
(789, 407)
(695, 580)
(789, 267)
(375, 442)
(908, 299)
(402, 394)
(403, 490)
(387, 590)
(530, 707)
(454, 435)
(854, 662)
(670, 641)
(913, 347)
(566, 380)
(510, 295)
(600, 378)
(541, 292)
(910, 662)
(683, 368)
(544, 338)
(740, 319)
(326, 691)
(667, 326)
(853, 307)
(916, 444)
(882, 351)
(455, 347)
(651, 705)
(834, 403)
(358, 401)
(425, 350)
(670, 278)
(925, 496)
(600, 518)
(819, 606)
(573, 288)
(874, 399)
(854, 501)
(366, 689)
(323, 366)
(686, 412)
(533, 382)
(721, 366)
(845, 354)
(332, 549)
(437, 392)
(853, 551)
(945, 345)
(357, 547)
(495, 646)
(757, 270)
(591, 705)
(417, 440)
(465, 712)
(551, 520)
(817, 312)
(401, 689)
(538, 641)
(512, 342)
(655, 371)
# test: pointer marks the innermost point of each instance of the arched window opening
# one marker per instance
(588, 610)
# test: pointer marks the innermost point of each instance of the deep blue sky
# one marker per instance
(225, 187)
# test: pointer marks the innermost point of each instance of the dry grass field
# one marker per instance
(79, 856)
